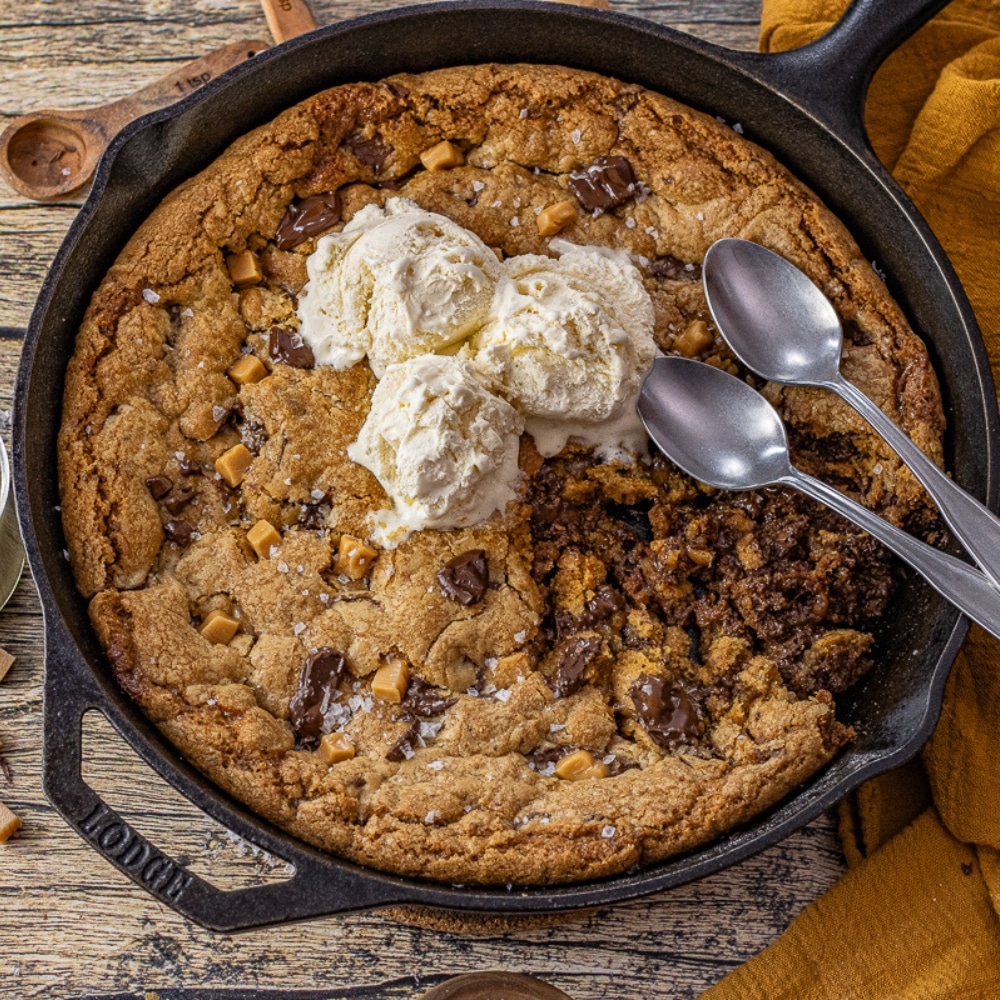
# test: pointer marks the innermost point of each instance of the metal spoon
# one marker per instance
(722, 432)
(780, 325)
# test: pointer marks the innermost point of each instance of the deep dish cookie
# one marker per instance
(618, 666)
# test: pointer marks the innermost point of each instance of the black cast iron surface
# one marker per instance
(803, 106)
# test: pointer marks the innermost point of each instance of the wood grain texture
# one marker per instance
(72, 925)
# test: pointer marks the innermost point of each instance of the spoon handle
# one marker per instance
(976, 527)
(968, 589)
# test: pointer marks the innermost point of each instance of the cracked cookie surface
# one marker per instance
(687, 643)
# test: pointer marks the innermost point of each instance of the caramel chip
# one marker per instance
(247, 370)
(579, 766)
(354, 558)
(9, 824)
(263, 537)
(443, 156)
(244, 269)
(335, 747)
(218, 627)
(555, 218)
(233, 464)
(391, 680)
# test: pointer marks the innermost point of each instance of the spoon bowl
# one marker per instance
(777, 322)
(717, 429)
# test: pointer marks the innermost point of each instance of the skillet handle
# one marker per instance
(830, 77)
(315, 889)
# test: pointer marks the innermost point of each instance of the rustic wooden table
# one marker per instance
(70, 924)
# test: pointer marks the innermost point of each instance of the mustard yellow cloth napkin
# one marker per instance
(916, 917)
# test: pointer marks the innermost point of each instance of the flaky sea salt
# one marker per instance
(576, 135)
(299, 627)
(608, 832)
(503, 694)
(435, 765)
(150, 296)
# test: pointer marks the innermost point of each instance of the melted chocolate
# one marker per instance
(178, 498)
(317, 691)
(310, 216)
(465, 578)
(575, 655)
(423, 699)
(673, 269)
(371, 152)
(670, 715)
(402, 749)
(290, 349)
(607, 182)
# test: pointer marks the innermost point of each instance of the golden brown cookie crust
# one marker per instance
(473, 800)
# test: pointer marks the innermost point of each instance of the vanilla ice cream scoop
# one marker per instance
(443, 447)
(397, 282)
(570, 339)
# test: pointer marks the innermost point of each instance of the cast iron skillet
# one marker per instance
(805, 106)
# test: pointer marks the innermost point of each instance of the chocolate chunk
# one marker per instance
(540, 760)
(371, 152)
(159, 486)
(290, 349)
(402, 749)
(310, 216)
(673, 269)
(465, 578)
(635, 518)
(575, 655)
(179, 532)
(317, 691)
(605, 602)
(670, 715)
(178, 498)
(189, 467)
(607, 182)
(398, 89)
(314, 515)
(618, 765)
(423, 699)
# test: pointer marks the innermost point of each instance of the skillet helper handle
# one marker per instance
(313, 890)
(830, 77)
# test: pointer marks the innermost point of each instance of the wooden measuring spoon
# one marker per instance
(288, 18)
(47, 155)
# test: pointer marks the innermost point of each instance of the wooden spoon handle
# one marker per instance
(176, 85)
(288, 18)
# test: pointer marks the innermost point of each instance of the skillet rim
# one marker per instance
(63, 647)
